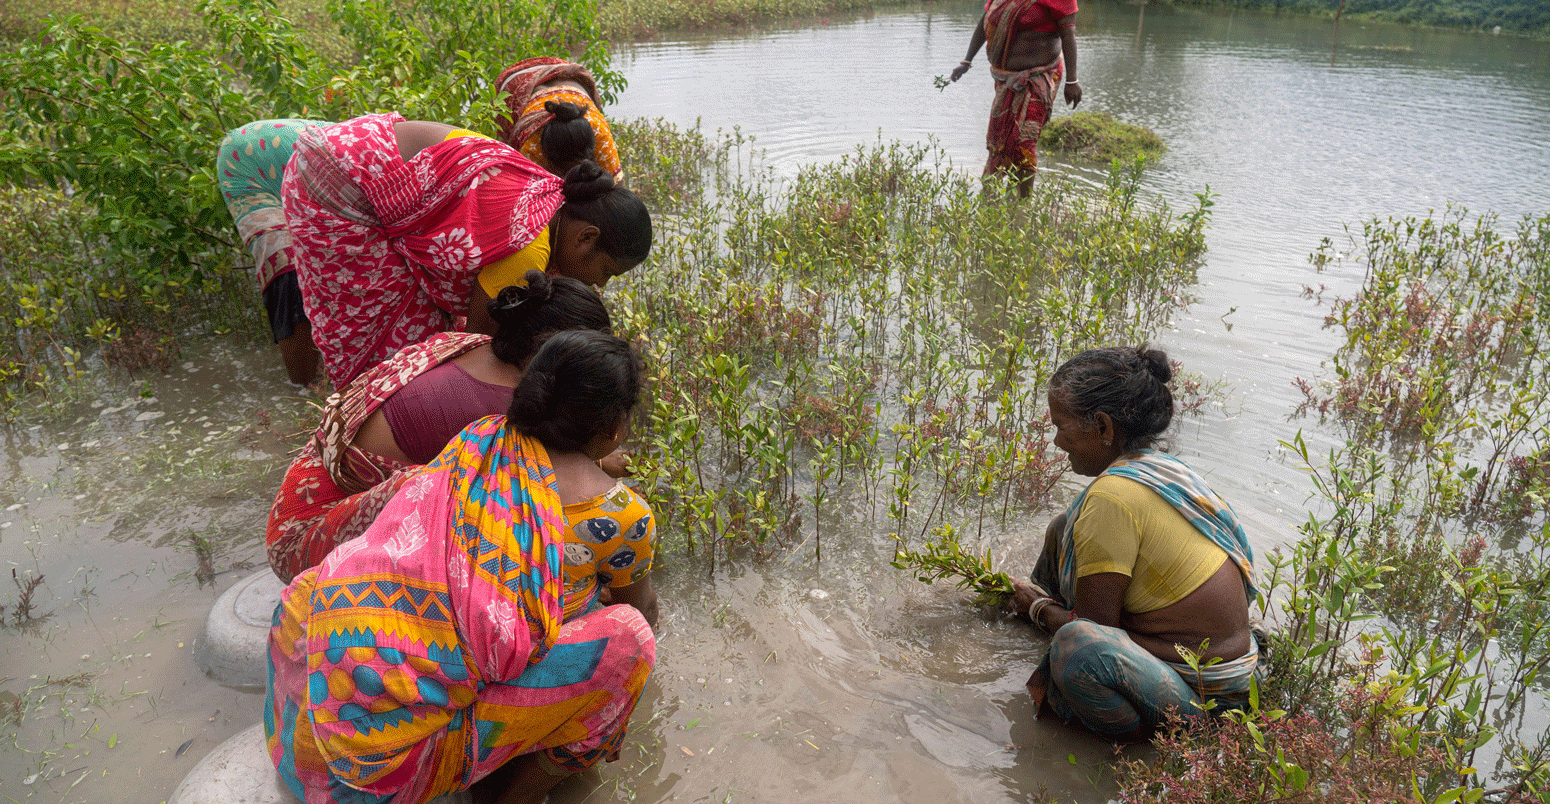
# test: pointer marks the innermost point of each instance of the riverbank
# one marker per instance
(641, 20)
(1517, 17)
(619, 20)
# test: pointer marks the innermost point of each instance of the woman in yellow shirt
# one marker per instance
(1146, 562)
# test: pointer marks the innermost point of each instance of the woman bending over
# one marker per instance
(401, 227)
(556, 115)
(401, 413)
(433, 654)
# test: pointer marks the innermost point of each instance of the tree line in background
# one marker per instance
(1530, 17)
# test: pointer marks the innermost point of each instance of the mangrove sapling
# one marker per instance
(22, 612)
(944, 557)
(871, 320)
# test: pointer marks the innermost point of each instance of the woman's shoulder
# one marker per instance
(619, 498)
(618, 512)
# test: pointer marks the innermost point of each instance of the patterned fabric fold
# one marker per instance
(351, 468)
(521, 84)
(421, 656)
(333, 489)
(249, 167)
(386, 251)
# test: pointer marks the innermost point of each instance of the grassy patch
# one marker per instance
(1098, 137)
(625, 20)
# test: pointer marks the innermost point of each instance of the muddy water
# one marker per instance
(781, 679)
(1404, 121)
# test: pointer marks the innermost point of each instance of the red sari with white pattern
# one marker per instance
(386, 251)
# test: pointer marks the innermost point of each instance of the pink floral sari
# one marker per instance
(386, 251)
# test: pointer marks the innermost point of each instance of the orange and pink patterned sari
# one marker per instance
(387, 251)
(529, 83)
(430, 651)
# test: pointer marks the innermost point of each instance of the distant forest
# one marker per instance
(1530, 17)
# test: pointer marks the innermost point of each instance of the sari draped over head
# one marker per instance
(1024, 98)
(421, 656)
(525, 94)
(387, 251)
(334, 489)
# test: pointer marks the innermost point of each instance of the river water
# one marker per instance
(779, 680)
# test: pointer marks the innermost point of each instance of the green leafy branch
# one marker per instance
(946, 558)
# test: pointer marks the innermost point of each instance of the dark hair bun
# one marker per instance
(586, 182)
(579, 386)
(538, 289)
(1129, 383)
(564, 111)
(1156, 361)
(526, 315)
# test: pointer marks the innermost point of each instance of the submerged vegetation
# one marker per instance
(1098, 137)
(868, 342)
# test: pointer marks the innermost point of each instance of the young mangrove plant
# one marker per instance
(944, 557)
(861, 350)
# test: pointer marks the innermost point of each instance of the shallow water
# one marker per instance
(1403, 122)
(847, 682)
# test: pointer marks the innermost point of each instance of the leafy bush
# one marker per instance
(1098, 137)
(127, 132)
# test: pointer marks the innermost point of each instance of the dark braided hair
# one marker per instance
(567, 138)
(623, 224)
(579, 386)
(527, 315)
(1130, 384)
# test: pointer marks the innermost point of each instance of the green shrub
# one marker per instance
(128, 130)
(1098, 137)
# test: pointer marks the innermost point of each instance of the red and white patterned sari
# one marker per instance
(334, 490)
(386, 251)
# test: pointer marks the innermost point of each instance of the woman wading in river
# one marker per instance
(1146, 561)
(1031, 45)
